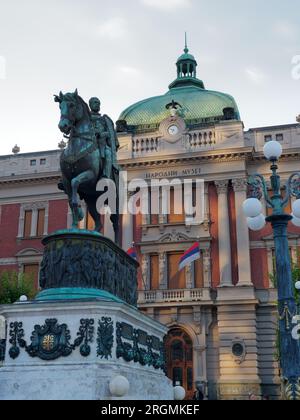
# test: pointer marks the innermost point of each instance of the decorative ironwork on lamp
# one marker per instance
(289, 347)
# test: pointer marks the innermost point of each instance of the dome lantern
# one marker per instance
(186, 63)
(187, 70)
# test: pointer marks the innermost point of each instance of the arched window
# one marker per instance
(179, 352)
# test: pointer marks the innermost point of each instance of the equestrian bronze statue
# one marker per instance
(90, 156)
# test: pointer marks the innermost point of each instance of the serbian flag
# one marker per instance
(191, 255)
(132, 253)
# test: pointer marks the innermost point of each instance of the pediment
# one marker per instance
(28, 252)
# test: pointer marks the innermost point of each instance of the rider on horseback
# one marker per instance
(107, 140)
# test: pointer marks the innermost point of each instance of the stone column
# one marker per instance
(224, 235)
(46, 223)
(108, 227)
(146, 271)
(190, 276)
(69, 218)
(207, 268)
(243, 242)
(146, 217)
(127, 231)
(163, 271)
(21, 222)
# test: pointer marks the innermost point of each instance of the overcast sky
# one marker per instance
(125, 50)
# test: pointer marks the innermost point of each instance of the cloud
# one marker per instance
(115, 28)
(129, 71)
(286, 30)
(167, 5)
(255, 75)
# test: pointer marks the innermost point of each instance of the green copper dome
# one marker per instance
(197, 105)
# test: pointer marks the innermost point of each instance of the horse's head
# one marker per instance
(72, 108)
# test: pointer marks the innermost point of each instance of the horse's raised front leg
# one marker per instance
(77, 214)
(76, 182)
(74, 202)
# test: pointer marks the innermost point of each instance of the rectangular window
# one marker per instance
(41, 222)
(154, 272)
(176, 278)
(268, 138)
(43, 162)
(154, 218)
(33, 162)
(176, 218)
(27, 223)
(279, 137)
(32, 271)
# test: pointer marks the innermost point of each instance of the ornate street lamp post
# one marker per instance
(287, 306)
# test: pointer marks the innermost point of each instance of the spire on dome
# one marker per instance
(186, 49)
(187, 69)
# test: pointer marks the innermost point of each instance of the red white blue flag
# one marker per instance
(191, 255)
(132, 253)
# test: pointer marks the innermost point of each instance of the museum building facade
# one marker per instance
(220, 310)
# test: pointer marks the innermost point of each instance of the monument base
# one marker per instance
(72, 350)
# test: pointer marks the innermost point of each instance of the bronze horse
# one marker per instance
(81, 163)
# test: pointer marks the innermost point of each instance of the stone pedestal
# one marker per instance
(71, 350)
(84, 329)
(79, 264)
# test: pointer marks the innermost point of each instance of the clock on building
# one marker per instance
(173, 130)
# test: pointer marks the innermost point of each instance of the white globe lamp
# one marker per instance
(297, 285)
(179, 393)
(256, 223)
(252, 207)
(296, 221)
(23, 299)
(296, 209)
(273, 150)
(119, 386)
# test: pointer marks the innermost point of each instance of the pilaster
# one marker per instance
(224, 235)
(243, 242)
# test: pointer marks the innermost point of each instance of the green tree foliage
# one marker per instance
(14, 285)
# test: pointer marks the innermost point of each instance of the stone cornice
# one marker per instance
(31, 179)
(156, 243)
(223, 155)
(288, 155)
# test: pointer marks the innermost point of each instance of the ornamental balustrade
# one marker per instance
(165, 296)
(197, 140)
(144, 145)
